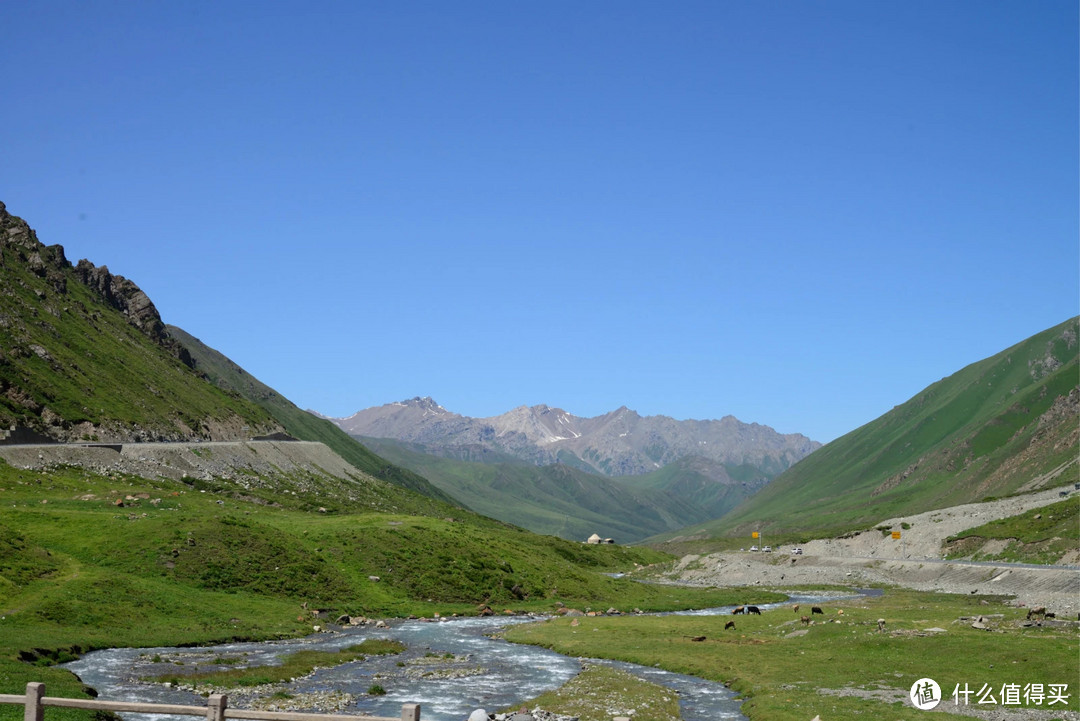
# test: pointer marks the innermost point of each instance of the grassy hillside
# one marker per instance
(559, 499)
(997, 427)
(693, 480)
(217, 561)
(1041, 535)
(73, 365)
(299, 423)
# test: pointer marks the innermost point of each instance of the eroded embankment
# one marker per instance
(234, 460)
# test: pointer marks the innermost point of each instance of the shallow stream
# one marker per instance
(450, 668)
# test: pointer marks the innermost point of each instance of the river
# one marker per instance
(483, 672)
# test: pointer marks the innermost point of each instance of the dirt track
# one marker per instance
(913, 562)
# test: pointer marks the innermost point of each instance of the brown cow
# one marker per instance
(738, 609)
(805, 620)
(795, 608)
(729, 624)
(1039, 611)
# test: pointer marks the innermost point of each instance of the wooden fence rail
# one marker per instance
(216, 708)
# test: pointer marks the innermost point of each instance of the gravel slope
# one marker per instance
(912, 562)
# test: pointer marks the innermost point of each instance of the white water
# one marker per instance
(509, 673)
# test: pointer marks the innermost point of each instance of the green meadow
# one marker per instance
(185, 565)
(842, 666)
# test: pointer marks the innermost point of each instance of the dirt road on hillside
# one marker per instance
(912, 562)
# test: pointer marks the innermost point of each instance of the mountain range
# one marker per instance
(620, 475)
(619, 443)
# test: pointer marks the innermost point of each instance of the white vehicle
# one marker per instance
(767, 549)
(797, 551)
(753, 548)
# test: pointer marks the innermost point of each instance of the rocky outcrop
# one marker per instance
(45, 261)
(129, 299)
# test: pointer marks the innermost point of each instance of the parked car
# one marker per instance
(797, 551)
(753, 548)
(767, 549)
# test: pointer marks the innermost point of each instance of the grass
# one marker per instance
(1041, 535)
(76, 571)
(293, 665)
(788, 678)
(598, 693)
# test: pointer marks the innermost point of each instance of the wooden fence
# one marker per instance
(215, 709)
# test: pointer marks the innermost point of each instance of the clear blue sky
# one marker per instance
(798, 213)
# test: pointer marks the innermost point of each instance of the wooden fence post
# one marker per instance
(215, 707)
(410, 712)
(34, 710)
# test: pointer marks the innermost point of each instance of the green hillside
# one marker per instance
(999, 426)
(693, 480)
(215, 561)
(83, 355)
(1047, 535)
(566, 501)
(299, 423)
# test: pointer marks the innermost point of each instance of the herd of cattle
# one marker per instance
(1039, 613)
(738, 610)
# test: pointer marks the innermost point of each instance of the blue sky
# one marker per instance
(798, 213)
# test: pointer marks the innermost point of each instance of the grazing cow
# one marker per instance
(729, 624)
(881, 625)
(805, 620)
(737, 610)
(1039, 611)
(795, 608)
(839, 612)
(753, 609)
(816, 609)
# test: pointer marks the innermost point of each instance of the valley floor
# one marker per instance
(915, 561)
